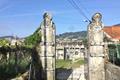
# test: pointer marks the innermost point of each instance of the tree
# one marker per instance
(4, 42)
(85, 42)
(32, 39)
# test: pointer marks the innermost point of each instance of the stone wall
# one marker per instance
(112, 72)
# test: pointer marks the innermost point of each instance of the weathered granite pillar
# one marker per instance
(47, 47)
(95, 49)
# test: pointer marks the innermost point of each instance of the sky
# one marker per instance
(23, 17)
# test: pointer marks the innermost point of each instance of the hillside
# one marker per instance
(71, 35)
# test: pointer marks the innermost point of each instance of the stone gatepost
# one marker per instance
(47, 47)
(95, 49)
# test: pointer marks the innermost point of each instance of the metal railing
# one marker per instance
(114, 53)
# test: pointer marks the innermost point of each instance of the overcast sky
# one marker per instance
(23, 17)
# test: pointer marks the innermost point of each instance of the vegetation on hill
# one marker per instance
(33, 39)
(9, 37)
(71, 35)
(117, 25)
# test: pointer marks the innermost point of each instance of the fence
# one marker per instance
(114, 53)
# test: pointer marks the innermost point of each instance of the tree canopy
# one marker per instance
(4, 42)
(33, 39)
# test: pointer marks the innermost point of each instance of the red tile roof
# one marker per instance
(113, 31)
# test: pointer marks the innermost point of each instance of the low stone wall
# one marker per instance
(112, 72)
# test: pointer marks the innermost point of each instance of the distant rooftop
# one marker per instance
(113, 31)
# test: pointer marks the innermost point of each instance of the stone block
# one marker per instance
(96, 51)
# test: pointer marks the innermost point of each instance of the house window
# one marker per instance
(76, 53)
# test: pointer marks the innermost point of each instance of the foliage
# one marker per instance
(63, 63)
(4, 42)
(19, 59)
(32, 40)
(85, 42)
(11, 68)
(69, 63)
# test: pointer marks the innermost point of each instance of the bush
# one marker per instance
(11, 68)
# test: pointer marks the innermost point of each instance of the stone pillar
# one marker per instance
(47, 47)
(95, 49)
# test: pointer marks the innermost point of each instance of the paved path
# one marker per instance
(75, 74)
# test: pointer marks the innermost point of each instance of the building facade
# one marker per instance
(69, 49)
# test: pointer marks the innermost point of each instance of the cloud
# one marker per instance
(5, 8)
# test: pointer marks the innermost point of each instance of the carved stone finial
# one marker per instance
(47, 19)
(47, 15)
(97, 17)
(95, 32)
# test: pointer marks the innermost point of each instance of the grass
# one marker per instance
(68, 63)
(63, 63)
